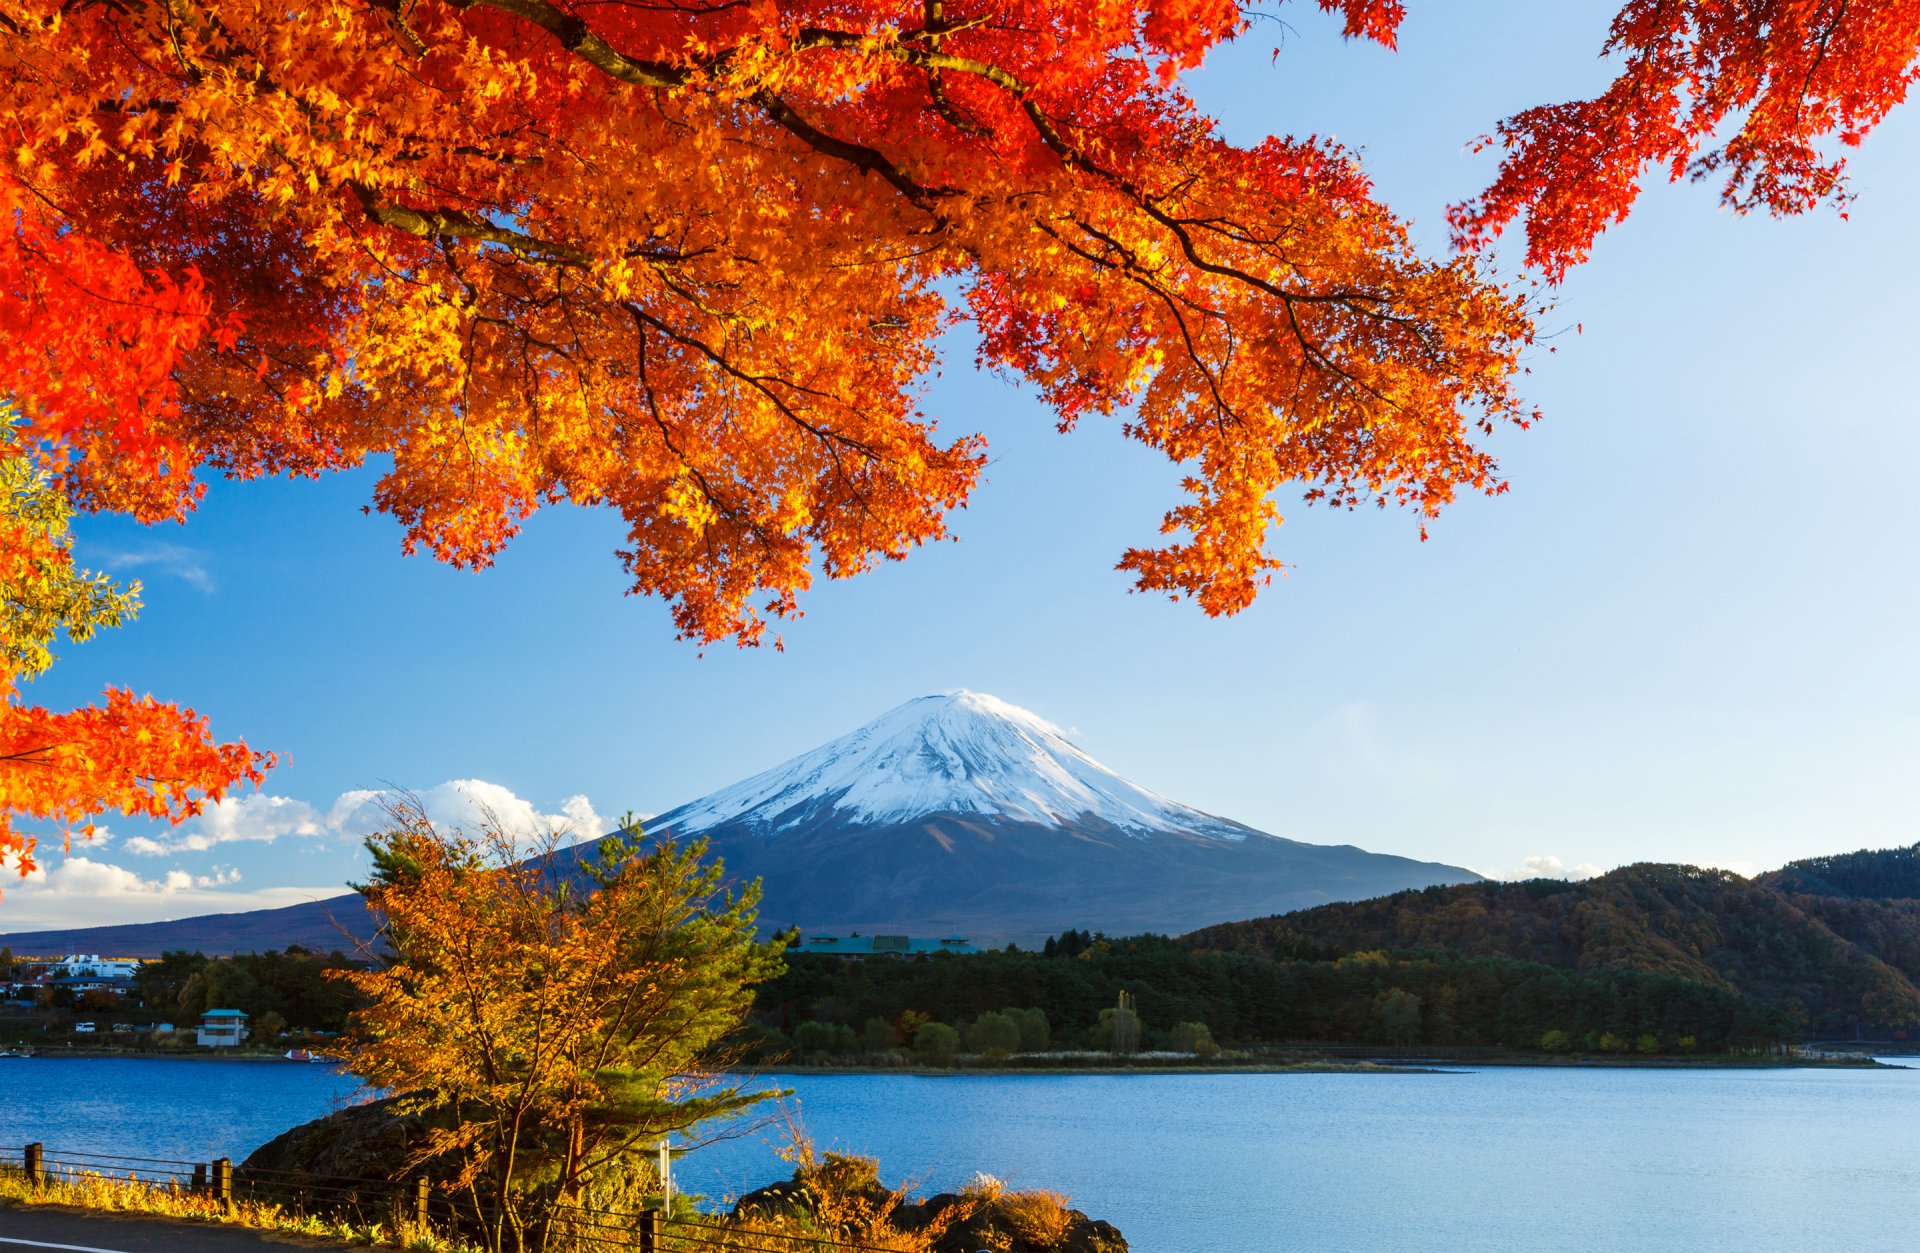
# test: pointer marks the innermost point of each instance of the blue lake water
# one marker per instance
(1497, 1159)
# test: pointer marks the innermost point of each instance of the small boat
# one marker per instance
(302, 1055)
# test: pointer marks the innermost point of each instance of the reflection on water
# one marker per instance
(1707, 1161)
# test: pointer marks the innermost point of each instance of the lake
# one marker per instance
(1479, 1158)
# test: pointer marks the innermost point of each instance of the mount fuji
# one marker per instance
(962, 814)
(956, 814)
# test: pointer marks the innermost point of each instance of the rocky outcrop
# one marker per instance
(363, 1145)
(1002, 1222)
(361, 1159)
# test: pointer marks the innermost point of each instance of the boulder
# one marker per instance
(1007, 1223)
(361, 1154)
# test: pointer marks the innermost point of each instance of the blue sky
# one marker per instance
(1685, 634)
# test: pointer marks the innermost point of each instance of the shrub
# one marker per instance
(1195, 1038)
(1034, 1032)
(991, 1032)
(936, 1041)
(878, 1036)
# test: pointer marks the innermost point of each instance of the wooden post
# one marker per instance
(223, 1181)
(35, 1157)
(650, 1231)
(420, 1202)
(199, 1183)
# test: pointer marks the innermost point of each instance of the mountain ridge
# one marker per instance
(1835, 963)
(956, 813)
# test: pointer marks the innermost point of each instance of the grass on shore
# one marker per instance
(102, 1193)
(841, 1192)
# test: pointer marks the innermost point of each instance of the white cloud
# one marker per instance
(177, 560)
(83, 892)
(232, 819)
(1544, 867)
(469, 804)
(83, 876)
(80, 891)
(361, 812)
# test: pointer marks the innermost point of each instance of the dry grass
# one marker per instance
(836, 1199)
(100, 1192)
(1039, 1217)
(840, 1198)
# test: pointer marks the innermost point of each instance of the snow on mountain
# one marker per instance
(959, 753)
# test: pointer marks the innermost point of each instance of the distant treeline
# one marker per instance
(1888, 874)
(276, 990)
(1181, 995)
(282, 989)
(1831, 963)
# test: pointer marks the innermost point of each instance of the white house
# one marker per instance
(95, 966)
(222, 1029)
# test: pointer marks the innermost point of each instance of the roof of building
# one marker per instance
(224, 1013)
(884, 945)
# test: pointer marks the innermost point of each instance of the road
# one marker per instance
(28, 1228)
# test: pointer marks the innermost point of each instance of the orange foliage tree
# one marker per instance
(550, 1017)
(130, 753)
(691, 260)
(1756, 93)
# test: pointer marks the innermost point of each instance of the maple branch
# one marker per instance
(578, 38)
(454, 224)
(760, 383)
(869, 160)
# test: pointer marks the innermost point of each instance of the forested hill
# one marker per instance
(1881, 874)
(1830, 962)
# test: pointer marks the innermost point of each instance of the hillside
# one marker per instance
(1831, 963)
(1880, 874)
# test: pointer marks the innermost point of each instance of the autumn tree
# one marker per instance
(692, 261)
(1760, 95)
(130, 754)
(551, 1017)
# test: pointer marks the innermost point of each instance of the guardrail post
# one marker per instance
(420, 1202)
(223, 1180)
(649, 1231)
(34, 1161)
(199, 1183)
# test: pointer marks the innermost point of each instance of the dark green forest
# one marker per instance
(289, 987)
(1886, 874)
(1181, 994)
(1833, 964)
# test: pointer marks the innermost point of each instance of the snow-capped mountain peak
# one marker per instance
(957, 753)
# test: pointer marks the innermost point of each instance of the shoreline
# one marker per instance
(1434, 1063)
(48, 1054)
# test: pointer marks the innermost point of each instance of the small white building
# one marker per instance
(92, 965)
(222, 1029)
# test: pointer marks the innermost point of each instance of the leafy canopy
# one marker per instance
(131, 753)
(552, 1016)
(692, 261)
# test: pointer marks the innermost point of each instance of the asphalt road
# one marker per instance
(28, 1228)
